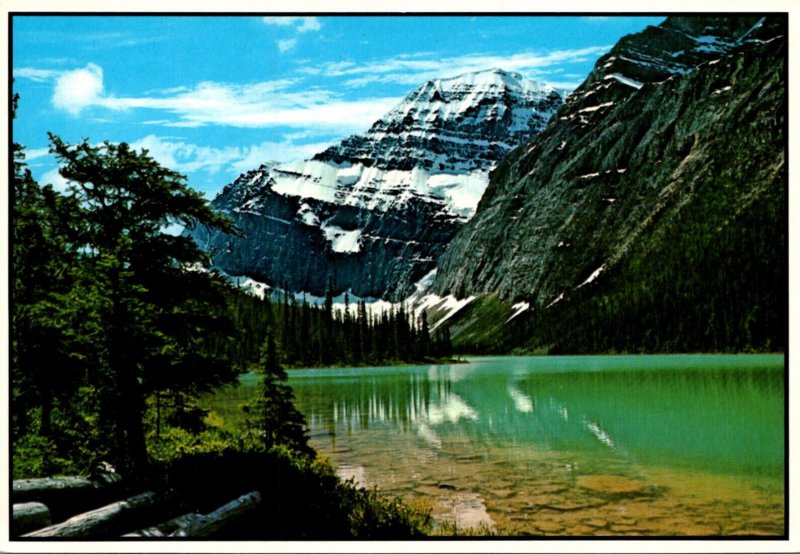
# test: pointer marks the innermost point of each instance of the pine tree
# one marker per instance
(280, 420)
(425, 336)
(50, 323)
(363, 331)
(305, 333)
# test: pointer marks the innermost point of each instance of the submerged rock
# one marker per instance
(614, 486)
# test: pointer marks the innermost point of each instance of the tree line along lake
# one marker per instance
(661, 445)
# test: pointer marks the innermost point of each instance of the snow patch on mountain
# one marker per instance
(625, 80)
(518, 308)
(595, 274)
(372, 188)
(342, 241)
(374, 306)
(308, 216)
(450, 304)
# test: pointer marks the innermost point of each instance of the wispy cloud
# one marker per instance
(92, 39)
(36, 153)
(285, 151)
(416, 69)
(187, 157)
(300, 24)
(267, 104)
(37, 75)
(286, 44)
(291, 102)
(217, 164)
(264, 104)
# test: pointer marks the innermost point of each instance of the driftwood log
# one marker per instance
(104, 521)
(209, 524)
(29, 516)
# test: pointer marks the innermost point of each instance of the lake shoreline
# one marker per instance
(471, 358)
(431, 361)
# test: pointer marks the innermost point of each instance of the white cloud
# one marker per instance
(53, 177)
(287, 103)
(300, 24)
(416, 69)
(36, 153)
(303, 24)
(285, 151)
(78, 89)
(207, 166)
(264, 104)
(34, 74)
(309, 24)
(286, 45)
(278, 20)
(187, 157)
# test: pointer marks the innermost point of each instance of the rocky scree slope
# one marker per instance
(375, 211)
(670, 153)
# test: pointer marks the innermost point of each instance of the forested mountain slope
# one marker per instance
(650, 214)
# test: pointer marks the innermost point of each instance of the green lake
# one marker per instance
(565, 446)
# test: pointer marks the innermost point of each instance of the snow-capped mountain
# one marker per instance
(375, 211)
(449, 128)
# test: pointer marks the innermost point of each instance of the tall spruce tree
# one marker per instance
(280, 421)
(41, 279)
(51, 326)
(154, 305)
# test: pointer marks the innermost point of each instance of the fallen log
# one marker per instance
(66, 496)
(29, 516)
(104, 521)
(27, 489)
(167, 528)
(206, 525)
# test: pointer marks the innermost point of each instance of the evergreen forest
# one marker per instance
(117, 329)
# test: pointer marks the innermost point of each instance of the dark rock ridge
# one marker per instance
(279, 247)
(376, 211)
(691, 109)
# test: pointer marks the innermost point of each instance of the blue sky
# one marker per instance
(212, 97)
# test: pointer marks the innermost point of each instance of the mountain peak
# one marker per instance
(452, 125)
(494, 78)
(488, 76)
(376, 210)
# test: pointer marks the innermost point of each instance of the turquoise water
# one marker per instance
(586, 445)
(723, 411)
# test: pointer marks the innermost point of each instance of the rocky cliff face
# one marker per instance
(692, 109)
(376, 211)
